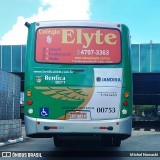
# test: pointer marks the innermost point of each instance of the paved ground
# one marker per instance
(141, 141)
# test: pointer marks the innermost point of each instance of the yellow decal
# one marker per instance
(69, 94)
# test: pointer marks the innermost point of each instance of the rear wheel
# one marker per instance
(58, 142)
(108, 141)
(116, 142)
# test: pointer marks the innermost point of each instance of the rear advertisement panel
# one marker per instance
(78, 45)
(94, 95)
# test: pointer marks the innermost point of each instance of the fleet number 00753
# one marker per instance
(106, 110)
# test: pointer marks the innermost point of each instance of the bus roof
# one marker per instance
(78, 23)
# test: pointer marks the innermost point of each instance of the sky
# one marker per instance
(141, 16)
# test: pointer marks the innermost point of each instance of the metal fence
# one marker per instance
(9, 96)
(12, 58)
(144, 57)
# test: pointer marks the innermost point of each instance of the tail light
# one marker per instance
(29, 102)
(29, 93)
(125, 103)
(30, 111)
(126, 94)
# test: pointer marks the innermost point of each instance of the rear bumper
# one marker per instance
(49, 128)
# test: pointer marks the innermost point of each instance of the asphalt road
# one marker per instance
(141, 141)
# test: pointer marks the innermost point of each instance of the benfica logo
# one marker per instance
(39, 79)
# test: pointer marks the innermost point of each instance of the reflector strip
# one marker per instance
(53, 127)
(102, 127)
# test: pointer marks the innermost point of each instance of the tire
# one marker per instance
(58, 142)
(116, 142)
(106, 141)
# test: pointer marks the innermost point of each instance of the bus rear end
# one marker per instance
(78, 81)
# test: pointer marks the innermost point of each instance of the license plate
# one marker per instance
(77, 115)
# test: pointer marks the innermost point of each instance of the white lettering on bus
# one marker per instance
(54, 78)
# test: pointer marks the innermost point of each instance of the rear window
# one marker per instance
(78, 45)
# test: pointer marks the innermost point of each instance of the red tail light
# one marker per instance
(29, 102)
(103, 127)
(125, 103)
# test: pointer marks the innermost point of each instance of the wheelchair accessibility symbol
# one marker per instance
(44, 112)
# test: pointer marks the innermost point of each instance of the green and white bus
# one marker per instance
(78, 81)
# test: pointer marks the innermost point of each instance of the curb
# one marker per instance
(146, 129)
(11, 141)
